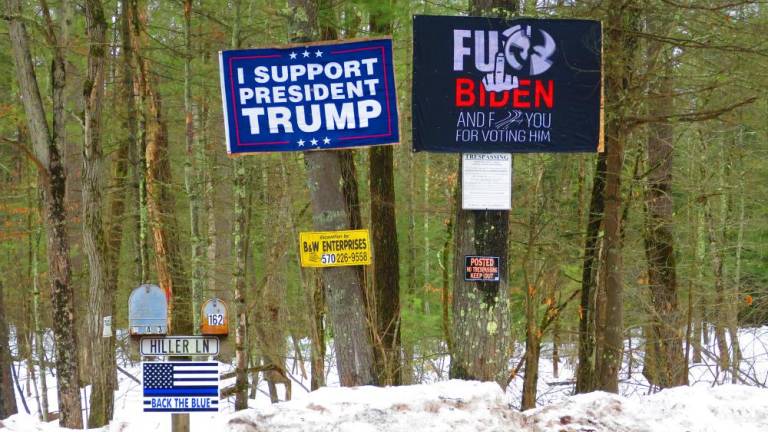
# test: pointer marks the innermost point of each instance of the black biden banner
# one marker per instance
(495, 85)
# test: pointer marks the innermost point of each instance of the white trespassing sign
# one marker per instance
(486, 181)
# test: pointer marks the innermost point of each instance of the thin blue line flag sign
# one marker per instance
(314, 97)
(181, 387)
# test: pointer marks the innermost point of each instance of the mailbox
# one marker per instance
(214, 318)
(148, 311)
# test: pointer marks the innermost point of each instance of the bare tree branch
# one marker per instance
(633, 122)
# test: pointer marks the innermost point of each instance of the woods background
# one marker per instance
(113, 173)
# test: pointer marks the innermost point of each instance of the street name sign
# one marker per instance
(179, 346)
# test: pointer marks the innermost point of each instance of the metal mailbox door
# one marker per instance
(147, 311)
(214, 320)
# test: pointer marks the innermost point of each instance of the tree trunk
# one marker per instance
(39, 335)
(585, 372)
(47, 144)
(665, 334)
(343, 293)
(733, 313)
(556, 345)
(620, 42)
(117, 200)
(193, 175)
(410, 296)
(7, 393)
(318, 342)
(532, 353)
(535, 278)
(445, 292)
(716, 254)
(239, 241)
(481, 309)
(100, 293)
(160, 199)
(386, 268)
(270, 312)
(313, 289)
(136, 123)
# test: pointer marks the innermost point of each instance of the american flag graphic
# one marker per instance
(181, 386)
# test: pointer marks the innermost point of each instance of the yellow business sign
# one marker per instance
(335, 248)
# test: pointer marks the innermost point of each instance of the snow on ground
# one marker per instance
(473, 406)
(440, 405)
(445, 406)
(683, 409)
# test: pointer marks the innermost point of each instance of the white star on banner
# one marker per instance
(318, 53)
(293, 55)
(313, 141)
(305, 53)
(301, 142)
(326, 140)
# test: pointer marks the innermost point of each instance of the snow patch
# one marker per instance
(699, 409)
(443, 406)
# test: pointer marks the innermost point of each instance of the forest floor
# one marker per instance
(441, 405)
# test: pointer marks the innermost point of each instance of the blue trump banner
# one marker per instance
(487, 85)
(320, 96)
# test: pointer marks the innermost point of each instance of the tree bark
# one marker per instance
(239, 241)
(386, 268)
(100, 293)
(585, 372)
(7, 393)
(480, 309)
(481, 320)
(39, 334)
(717, 259)
(620, 41)
(536, 277)
(665, 334)
(193, 175)
(343, 293)
(47, 144)
(160, 199)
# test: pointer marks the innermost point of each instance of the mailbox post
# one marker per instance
(148, 320)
